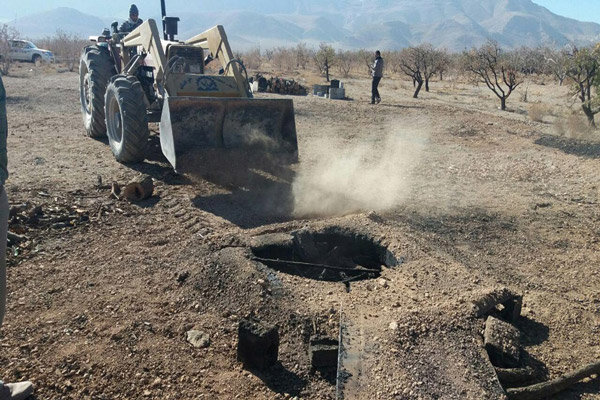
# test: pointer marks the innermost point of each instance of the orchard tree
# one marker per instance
(411, 63)
(325, 59)
(493, 67)
(7, 33)
(65, 46)
(344, 61)
(584, 70)
(557, 63)
(303, 55)
(365, 58)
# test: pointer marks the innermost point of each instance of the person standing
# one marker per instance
(21, 390)
(133, 21)
(377, 72)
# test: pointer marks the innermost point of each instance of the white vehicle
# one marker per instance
(24, 50)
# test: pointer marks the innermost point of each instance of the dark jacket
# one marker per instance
(129, 25)
(377, 68)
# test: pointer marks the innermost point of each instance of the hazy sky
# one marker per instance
(583, 10)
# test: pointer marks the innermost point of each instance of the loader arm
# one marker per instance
(147, 36)
(215, 41)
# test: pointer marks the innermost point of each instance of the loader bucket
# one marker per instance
(190, 125)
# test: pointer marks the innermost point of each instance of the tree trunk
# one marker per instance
(420, 84)
(327, 71)
(503, 103)
(587, 110)
(441, 75)
(427, 84)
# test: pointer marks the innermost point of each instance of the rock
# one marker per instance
(198, 339)
(323, 352)
(182, 276)
(382, 282)
(393, 325)
(502, 342)
(487, 302)
(258, 344)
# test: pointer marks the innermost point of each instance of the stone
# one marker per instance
(382, 282)
(322, 89)
(198, 339)
(502, 342)
(393, 325)
(323, 352)
(337, 93)
(258, 344)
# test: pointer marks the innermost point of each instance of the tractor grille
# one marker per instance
(185, 59)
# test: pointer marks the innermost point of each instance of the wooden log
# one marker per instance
(138, 189)
(284, 263)
(515, 376)
(550, 388)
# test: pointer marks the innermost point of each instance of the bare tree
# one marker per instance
(65, 46)
(284, 59)
(6, 33)
(344, 61)
(584, 70)
(269, 54)
(303, 55)
(493, 68)
(325, 59)
(527, 60)
(432, 62)
(411, 63)
(252, 58)
(443, 62)
(366, 58)
(392, 62)
(557, 63)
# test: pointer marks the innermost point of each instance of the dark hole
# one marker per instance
(330, 255)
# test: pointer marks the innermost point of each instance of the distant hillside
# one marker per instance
(386, 24)
(68, 19)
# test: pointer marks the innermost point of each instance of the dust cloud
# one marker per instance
(338, 178)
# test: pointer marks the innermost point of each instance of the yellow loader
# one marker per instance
(130, 79)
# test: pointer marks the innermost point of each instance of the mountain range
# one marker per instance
(347, 24)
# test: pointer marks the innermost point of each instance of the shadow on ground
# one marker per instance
(281, 380)
(255, 196)
(258, 186)
(575, 147)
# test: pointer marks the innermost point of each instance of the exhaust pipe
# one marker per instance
(163, 11)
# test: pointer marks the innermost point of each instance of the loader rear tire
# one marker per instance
(126, 119)
(95, 70)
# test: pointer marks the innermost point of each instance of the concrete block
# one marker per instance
(258, 344)
(323, 352)
(323, 89)
(502, 342)
(337, 93)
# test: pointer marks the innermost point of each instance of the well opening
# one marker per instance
(334, 254)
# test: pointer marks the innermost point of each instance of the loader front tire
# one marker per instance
(95, 69)
(126, 119)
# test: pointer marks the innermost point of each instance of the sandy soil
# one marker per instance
(468, 197)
